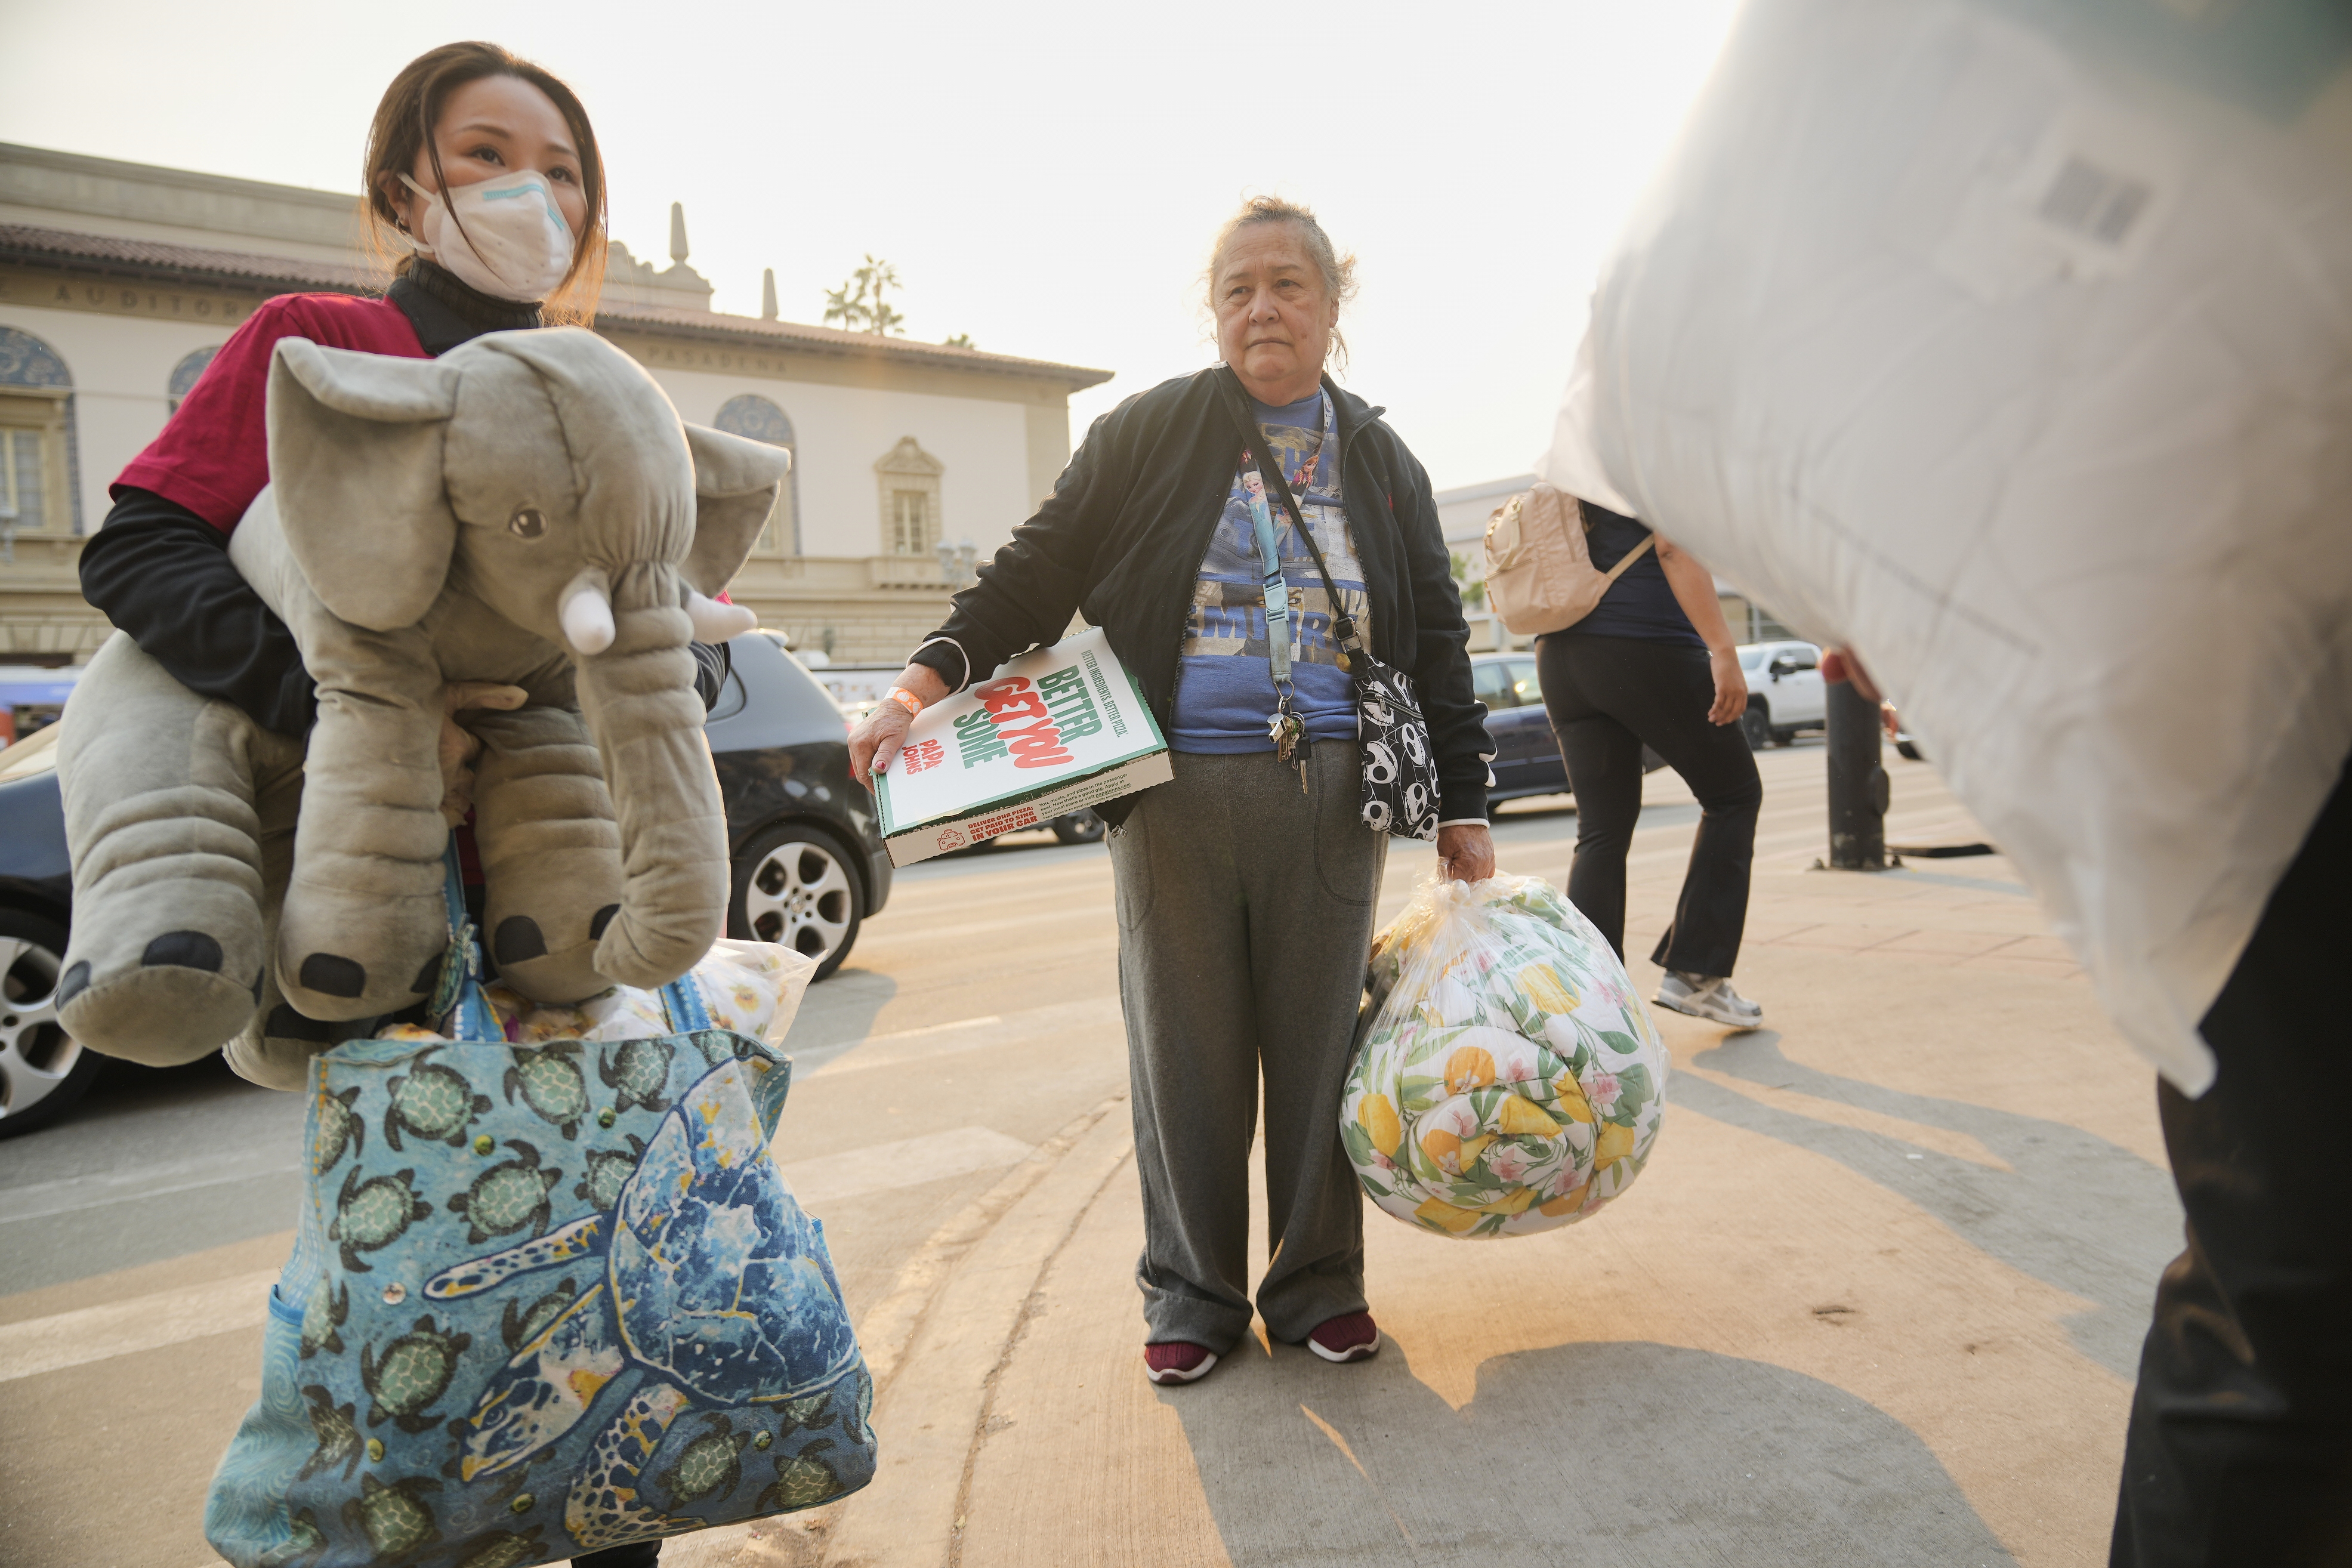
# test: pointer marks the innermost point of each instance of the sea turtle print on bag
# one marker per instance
(432, 1102)
(550, 1082)
(334, 1128)
(1509, 1081)
(510, 1195)
(375, 1213)
(330, 1304)
(586, 1312)
(411, 1375)
(707, 1291)
(637, 1070)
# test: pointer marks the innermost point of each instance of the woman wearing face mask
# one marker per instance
(484, 169)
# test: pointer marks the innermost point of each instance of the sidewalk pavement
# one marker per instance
(1876, 1299)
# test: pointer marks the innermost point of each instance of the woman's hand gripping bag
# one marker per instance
(1509, 1081)
(548, 1298)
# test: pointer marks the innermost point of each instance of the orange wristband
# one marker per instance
(904, 699)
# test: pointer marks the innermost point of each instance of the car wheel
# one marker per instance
(1907, 749)
(43, 1069)
(1079, 828)
(793, 886)
(1784, 737)
(1757, 725)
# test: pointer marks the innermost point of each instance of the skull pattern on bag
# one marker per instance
(1400, 791)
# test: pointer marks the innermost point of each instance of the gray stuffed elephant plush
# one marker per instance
(527, 509)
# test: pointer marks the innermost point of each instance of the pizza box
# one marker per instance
(1053, 731)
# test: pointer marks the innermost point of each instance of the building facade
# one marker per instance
(118, 282)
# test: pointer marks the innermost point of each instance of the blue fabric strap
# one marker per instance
(458, 999)
(1277, 592)
(682, 1000)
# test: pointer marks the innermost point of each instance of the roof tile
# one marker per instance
(164, 261)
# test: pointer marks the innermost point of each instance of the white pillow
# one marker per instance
(2023, 366)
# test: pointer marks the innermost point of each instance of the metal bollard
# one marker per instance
(1858, 784)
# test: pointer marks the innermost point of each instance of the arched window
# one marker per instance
(910, 498)
(39, 462)
(757, 419)
(184, 374)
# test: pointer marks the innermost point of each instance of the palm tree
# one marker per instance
(859, 305)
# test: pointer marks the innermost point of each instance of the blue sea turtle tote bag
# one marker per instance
(543, 1300)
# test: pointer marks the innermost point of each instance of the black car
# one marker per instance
(1527, 758)
(807, 845)
(1526, 753)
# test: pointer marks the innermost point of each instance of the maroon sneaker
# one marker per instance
(1351, 1336)
(1179, 1361)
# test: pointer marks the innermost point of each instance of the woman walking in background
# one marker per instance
(1654, 663)
(1246, 883)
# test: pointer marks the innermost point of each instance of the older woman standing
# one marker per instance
(1246, 883)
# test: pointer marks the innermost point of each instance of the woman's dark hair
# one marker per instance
(403, 125)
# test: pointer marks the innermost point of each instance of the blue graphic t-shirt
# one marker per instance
(1224, 684)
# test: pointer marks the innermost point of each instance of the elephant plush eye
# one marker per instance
(527, 522)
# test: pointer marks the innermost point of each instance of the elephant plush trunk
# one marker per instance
(639, 700)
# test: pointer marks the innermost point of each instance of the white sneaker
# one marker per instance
(1710, 997)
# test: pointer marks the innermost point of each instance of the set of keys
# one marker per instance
(1287, 729)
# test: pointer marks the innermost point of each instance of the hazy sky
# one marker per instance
(1046, 176)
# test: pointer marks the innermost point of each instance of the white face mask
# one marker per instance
(515, 244)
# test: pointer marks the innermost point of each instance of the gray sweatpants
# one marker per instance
(1245, 915)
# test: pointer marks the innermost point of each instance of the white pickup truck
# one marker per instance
(1784, 691)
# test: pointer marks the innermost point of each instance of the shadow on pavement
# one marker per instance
(1624, 1453)
(2072, 1210)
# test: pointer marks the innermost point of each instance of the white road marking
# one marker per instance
(915, 1046)
(41, 1199)
(902, 1033)
(114, 1329)
(122, 1328)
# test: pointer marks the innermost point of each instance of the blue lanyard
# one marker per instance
(1269, 552)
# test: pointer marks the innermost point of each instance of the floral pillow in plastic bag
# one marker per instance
(1509, 1081)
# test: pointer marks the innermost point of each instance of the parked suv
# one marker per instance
(1784, 691)
(809, 864)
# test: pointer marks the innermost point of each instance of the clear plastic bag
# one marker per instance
(1508, 1079)
(751, 987)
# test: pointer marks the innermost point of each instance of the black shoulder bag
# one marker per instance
(1400, 791)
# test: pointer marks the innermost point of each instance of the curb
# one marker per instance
(935, 1345)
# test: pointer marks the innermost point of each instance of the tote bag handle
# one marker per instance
(460, 998)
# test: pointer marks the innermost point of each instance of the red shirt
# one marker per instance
(213, 458)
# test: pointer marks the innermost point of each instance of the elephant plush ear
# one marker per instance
(735, 484)
(355, 444)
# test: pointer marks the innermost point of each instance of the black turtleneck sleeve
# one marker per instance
(711, 663)
(162, 575)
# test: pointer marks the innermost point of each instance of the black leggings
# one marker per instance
(2240, 1448)
(1608, 696)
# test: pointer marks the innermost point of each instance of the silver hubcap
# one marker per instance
(800, 896)
(36, 1053)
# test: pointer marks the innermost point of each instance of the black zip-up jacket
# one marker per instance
(162, 575)
(1122, 536)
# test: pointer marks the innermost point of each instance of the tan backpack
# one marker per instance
(1539, 571)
